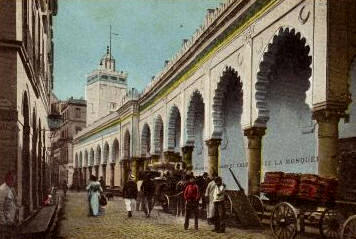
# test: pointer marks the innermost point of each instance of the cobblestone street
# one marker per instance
(75, 224)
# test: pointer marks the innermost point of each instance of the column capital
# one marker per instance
(213, 146)
(187, 149)
(213, 142)
(155, 158)
(136, 159)
(170, 156)
(328, 115)
(255, 131)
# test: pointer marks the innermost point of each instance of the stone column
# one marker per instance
(213, 154)
(146, 161)
(81, 180)
(103, 173)
(90, 171)
(328, 136)
(100, 173)
(117, 174)
(112, 174)
(187, 156)
(124, 170)
(134, 168)
(254, 137)
(170, 156)
(96, 171)
(140, 166)
(108, 174)
(155, 158)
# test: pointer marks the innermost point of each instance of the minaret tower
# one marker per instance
(105, 88)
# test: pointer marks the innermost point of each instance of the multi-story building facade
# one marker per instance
(261, 86)
(26, 82)
(72, 115)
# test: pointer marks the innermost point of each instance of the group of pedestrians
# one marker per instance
(211, 191)
(140, 195)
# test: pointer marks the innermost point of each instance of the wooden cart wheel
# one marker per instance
(284, 221)
(330, 223)
(349, 228)
(257, 204)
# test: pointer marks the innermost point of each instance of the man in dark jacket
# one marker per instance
(191, 197)
(130, 195)
(180, 199)
(148, 190)
(102, 183)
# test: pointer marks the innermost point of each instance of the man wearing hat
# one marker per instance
(130, 194)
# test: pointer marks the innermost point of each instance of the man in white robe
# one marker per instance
(8, 206)
(209, 194)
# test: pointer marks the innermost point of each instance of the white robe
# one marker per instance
(94, 197)
(209, 193)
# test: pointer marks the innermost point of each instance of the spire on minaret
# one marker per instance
(107, 62)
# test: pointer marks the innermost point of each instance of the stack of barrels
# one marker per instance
(304, 186)
(272, 182)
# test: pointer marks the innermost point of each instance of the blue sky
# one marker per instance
(150, 32)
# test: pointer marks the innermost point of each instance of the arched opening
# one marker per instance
(146, 141)
(282, 82)
(195, 131)
(34, 160)
(127, 151)
(86, 164)
(106, 152)
(45, 180)
(25, 194)
(348, 125)
(80, 165)
(227, 110)
(115, 151)
(174, 125)
(38, 163)
(86, 161)
(81, 180)
(98, 155)
(75, 179)
(97, 160)
(76, 162)
(106, 159)
(158, 136)
(115, 158)
(91, 161)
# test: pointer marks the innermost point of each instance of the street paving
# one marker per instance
(75, 224)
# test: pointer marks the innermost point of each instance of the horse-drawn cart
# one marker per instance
(295, 201)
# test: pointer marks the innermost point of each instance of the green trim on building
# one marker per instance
(255, 11)
(258, 8)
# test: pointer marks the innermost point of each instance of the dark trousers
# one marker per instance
(180, 205)
(140, 201)
(148, 204)
(191, 207)
(219, 208)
